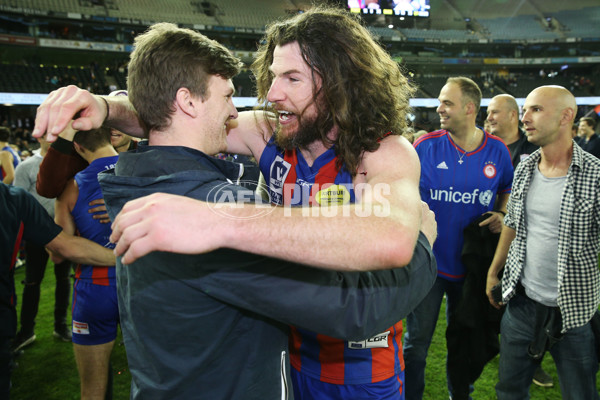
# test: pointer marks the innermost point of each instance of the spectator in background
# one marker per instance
(36, 258)
(464, 172)
(9, 158)
(589, 141)
(503, 117)
(548, 250)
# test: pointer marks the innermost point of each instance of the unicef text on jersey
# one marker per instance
(450, 196)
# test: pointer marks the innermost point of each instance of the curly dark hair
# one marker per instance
(364, 91)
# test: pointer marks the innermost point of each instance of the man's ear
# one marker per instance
(470, 107)
(78, 148)
(187, 103)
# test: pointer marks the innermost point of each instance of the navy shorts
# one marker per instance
(95, 313)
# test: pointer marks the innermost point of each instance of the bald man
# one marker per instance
(503, 119)
(556, 190)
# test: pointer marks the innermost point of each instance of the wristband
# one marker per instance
(501, 212)
(107, 110)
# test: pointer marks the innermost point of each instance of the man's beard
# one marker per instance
(309, 130)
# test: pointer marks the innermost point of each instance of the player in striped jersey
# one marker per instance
(95, 311)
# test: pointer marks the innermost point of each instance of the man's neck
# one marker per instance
(313, 151)
(512, 138)
(556, 158)
(588, 136)
(318, 147)
(105, 151)
(3, 144)
(468, 139)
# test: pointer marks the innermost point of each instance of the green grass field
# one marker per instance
(46, 370)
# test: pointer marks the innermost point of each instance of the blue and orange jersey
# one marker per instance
(291, 181)
(89, 228)
(459, 187)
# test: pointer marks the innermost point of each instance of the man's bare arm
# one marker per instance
(61, 106)
(378, 232)
(81, 250)
(249, 133)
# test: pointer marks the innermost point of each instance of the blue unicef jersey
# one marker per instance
(89, 228)
(458, 192)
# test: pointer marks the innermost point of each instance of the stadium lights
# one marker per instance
(35, 99)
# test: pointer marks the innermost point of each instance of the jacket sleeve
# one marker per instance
(60, 164)
(351, 306)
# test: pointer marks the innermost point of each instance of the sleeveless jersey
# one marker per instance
(89, 228)
(292, 181)
(16, 160)
(459, 192)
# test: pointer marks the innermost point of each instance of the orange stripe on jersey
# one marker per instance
(295, 342)
(401, 384)
(290, 181)
(331, 358)
(324, 178)
(383, 366)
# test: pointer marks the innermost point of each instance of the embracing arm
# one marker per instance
(62, 213)
(345, 305)
(80, 250)
(381, 229)
(61, 106)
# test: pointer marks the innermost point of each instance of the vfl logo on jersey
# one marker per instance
(450, 196)
(333, 195)
(380, 340)
(279, 171)
(489, 170)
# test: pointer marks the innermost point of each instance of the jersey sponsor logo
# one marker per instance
(442, 165)
(81, 328)
(279, 171)
(457, 197)
(333, 195)
(379, 340)
(489, 170)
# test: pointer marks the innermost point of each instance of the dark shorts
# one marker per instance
(95, 313)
